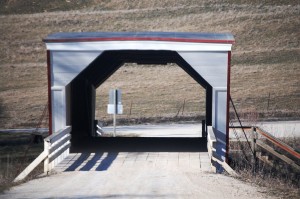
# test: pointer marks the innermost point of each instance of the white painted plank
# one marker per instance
(72, 62)
(31, 167)
(137, 45)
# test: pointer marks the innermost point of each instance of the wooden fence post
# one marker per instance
(7, 166)
(183, 106)
(46, 162)
(253, 146)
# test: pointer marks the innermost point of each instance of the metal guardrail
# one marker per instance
(56, 148)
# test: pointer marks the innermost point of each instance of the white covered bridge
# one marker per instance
(78, 63)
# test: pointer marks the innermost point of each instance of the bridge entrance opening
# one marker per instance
(83, 90)
(158, 101)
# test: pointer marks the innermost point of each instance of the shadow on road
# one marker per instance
(98, 154)
(97, 159)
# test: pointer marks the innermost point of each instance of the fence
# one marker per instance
(283, 152)
(56, 148)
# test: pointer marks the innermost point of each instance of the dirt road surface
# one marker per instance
(276, 128)
(136, 175)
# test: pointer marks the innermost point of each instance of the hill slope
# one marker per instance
(266, 56)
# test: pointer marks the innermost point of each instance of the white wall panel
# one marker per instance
(63, 79)
(212, 66)
(58, 108)
(72, 62)
(220, 103)
(219, 113)
(215, 81)
(67, 65)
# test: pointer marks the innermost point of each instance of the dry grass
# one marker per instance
(16, 153)
(278, 186)
(281, 180)
(6, 179)
(265, 57)
(150, 93)
(280, 183)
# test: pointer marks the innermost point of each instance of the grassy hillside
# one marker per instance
(266, 56)
(29, 6)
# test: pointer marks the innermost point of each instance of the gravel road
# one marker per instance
(136, 175)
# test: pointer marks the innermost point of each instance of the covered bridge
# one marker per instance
(78, 63)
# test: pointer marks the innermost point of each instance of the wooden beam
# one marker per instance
(264, 159)
(278, 143)
(226, 167)
(61, 133)
(30, 167)
(59, 144)
(59, 152)
(278, 155)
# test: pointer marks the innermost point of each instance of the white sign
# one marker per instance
(115, 105)
(115, 96)
(111, 109)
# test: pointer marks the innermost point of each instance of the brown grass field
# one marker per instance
(265, 57)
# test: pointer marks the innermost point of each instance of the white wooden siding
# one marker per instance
(212, 66)
(209, 60)
(58, 108)
(66, 65)
(137, 45)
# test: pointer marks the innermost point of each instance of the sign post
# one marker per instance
(116, 110)
(115, 106)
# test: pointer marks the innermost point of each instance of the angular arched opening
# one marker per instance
(83, 87)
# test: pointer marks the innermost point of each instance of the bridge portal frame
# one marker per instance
(73, 59)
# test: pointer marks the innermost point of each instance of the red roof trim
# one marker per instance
(139, 39)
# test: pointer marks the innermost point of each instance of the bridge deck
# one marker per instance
(114, 161)
(135, 175)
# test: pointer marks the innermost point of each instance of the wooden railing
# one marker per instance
(258, 143)
(214, 157)
(277, 142)
(56, 148)
(281, 145)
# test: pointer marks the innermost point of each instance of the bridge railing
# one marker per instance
(270, 144)
(214, 157)
(56, 148)
(211, 145)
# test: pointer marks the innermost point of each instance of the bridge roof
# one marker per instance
(192, 37)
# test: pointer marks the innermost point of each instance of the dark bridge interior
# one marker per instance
(82, 109)
(138, 144)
